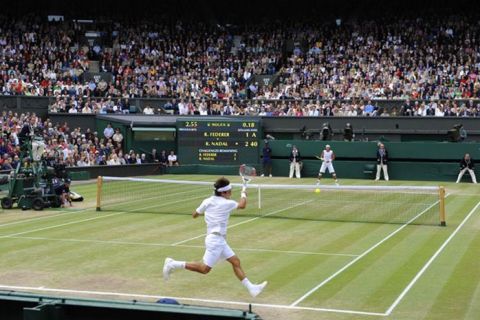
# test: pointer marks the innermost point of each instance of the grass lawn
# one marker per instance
(323, 254)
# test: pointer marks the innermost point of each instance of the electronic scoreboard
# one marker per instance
(218, 141)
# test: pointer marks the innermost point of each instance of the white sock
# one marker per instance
(246, 283)
(178, 264)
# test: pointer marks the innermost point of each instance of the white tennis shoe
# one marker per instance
(167, 268)
(256, 289)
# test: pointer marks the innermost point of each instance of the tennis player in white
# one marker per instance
(327, 157)
(217, 209)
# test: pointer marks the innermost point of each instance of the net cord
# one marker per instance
(422, 189)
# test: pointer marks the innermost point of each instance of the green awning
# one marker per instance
(154, 129)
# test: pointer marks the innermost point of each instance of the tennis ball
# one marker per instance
(317, 190)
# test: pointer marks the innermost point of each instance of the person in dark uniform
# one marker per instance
(382, 159)
(163, 158)
(267, 160)
(153, 157)
(467, 164)
(295, 163)
(27, 131)
(62, 189)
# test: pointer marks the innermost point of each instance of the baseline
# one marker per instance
(53, 214)
(221, 302)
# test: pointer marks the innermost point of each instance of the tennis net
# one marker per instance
(375, 204)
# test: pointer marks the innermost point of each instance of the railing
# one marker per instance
(40, 105)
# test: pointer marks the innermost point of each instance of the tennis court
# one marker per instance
(327, 266)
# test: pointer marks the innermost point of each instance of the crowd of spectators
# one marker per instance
(423, 58)
(72, 147)
(299, 108)
(329, 68)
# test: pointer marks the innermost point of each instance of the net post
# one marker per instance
(99, 192)
(441, 193)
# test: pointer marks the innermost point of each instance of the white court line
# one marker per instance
(429, 262)
(293, 252)
(59, 225)
(243, 222)
(118, 242)
(224, 302)
(321, 284)
(55, 214)
(84, 220)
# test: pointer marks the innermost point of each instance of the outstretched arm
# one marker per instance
(242, 204)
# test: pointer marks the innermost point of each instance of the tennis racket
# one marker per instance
(247, 173)
(319, 157)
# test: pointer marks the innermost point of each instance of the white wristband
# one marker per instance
(243, 194)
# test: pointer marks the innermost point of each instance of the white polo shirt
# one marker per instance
(328, 155)
(217, 211)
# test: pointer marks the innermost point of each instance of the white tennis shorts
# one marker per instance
(328, 166)
(217, 249)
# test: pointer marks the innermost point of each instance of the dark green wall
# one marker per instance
(367, 150)
(420, 160)
(398, 170)
(408, 160)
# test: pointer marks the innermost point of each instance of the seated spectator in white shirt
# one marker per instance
(113, 161)
(121, 158)
(148, 110)
(87, 109)
(172, 159)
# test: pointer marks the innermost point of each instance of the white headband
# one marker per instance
(226, 188)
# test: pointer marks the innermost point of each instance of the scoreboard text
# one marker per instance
(218, 141)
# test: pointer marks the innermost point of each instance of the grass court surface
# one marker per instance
(317, 269)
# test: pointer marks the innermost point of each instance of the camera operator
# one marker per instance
(62, 189)
(327, 132)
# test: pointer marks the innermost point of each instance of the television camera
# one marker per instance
(32, 183)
